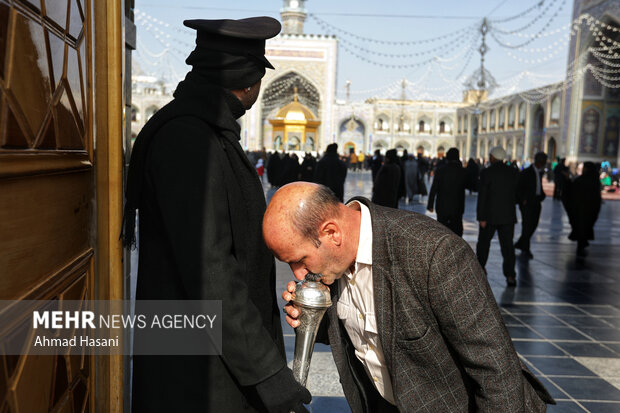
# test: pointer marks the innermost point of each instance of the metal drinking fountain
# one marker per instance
(313, 299)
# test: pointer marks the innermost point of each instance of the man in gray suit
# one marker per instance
(414, 326)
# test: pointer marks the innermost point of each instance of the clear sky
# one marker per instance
(367, 29)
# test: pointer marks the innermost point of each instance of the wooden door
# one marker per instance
(51, 196)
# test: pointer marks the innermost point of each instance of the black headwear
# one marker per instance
(452, 154)
(231, 53)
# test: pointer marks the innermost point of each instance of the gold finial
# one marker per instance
(295, 97)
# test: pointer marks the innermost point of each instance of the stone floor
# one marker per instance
(563, 316)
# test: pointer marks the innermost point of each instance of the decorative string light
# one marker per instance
(528, 25)
(325, 24)
(494, 31)
(522, 14)
(399, 55)
(605, 51)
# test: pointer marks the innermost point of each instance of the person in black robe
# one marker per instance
(560, 178)
(375, 163)
(201, 206)
(274, 169)
(449, 188)
(308, 165)
(473, 171)
(423, 169)
(290, 169)
(331, 171)
(386, 186)
(582, 201)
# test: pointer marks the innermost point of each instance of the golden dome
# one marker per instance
(295, 111)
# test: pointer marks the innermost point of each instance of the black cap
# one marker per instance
(241, 37)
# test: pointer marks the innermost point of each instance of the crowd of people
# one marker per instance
(502, 185)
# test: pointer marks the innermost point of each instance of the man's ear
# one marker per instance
(330, 232)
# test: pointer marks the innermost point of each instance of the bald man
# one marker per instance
(413, 325)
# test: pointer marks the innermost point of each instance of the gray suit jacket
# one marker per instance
(445, 343)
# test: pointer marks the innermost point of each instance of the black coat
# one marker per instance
(306, 172)
(526, 187)
(274, 169)
(375, 164)
(290, 170)
(582, 201)
(386, 187)
(472, 176)
(331, 172)
(449, 188)
(497, 194)
(200, 229)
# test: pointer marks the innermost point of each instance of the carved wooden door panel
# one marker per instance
(47, 189)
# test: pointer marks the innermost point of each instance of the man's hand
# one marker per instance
(483, 224)
(292, 312)
(280, 393)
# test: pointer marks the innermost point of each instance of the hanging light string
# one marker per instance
(403, 55)
(446, 51)
(524, 13)
(606, 54)
(494, 32)
(332, 28)
(536, 18)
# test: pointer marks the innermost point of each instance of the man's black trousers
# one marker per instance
(505, 234)
(530, 215)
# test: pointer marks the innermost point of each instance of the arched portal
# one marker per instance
(349, 148)
(551, 148)
(538, 130)
(279, 93)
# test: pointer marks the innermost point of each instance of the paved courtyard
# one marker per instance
(563, 316)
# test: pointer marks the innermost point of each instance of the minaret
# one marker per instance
(293, 16)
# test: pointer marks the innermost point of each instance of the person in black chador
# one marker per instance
(496, 211)
(560, 178)
(308, 165)
(472, 175)
(290, 169)
(274, 169)
(423, 169)
(201, 206)
(449, 188)
(582, 201)
(331, 171)
(385, 189)
(375, 163)
(530, 194)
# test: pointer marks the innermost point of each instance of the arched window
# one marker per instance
(134, 113)
(421, 126)
(150, 111)
(492, 116)
(484, 121)
(502, 114)
(555, 109)
(511, 116)
(382, 124)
